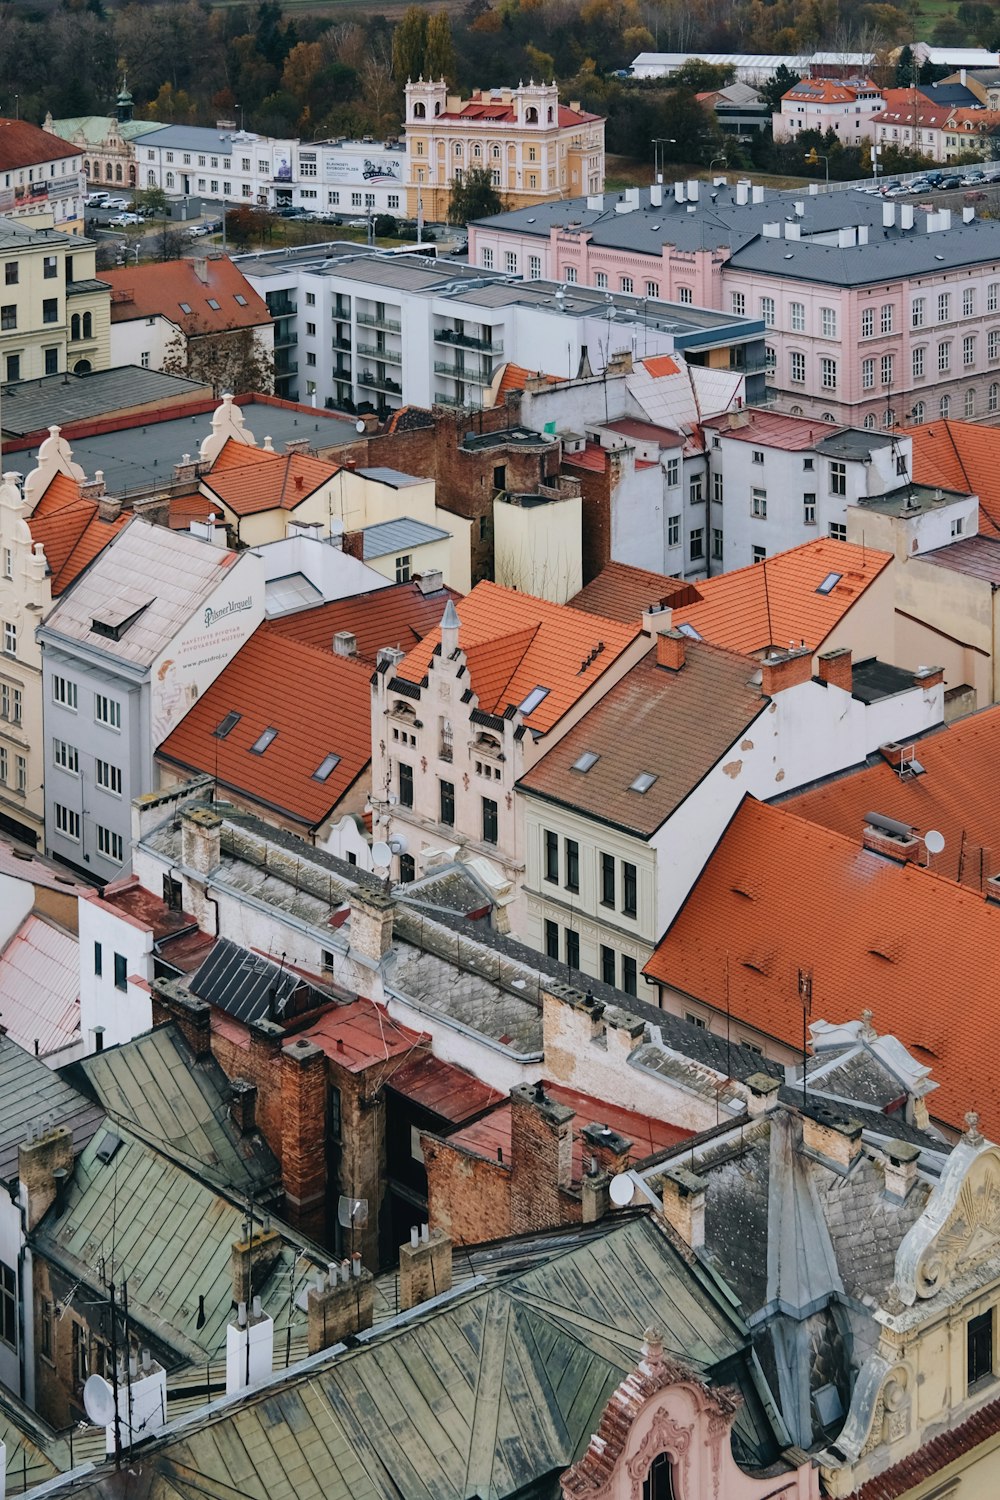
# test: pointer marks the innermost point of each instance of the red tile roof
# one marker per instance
(396, 616)
(773, 603)
(443, 1089)
(165, 288)
(233, 455)
(781, 894)
(514, 643)
(361, 1034)
(903, 1478)
(71, 530)
(23, 144)
(956, 795)
(592, 456)
(274, 482)
(659, 365)
(648, 432)
(960, 456)
(494, 111)
(623, 593)
(830, 90)
(267, 683)
(187, 508)
(516, 377)
(772, 429)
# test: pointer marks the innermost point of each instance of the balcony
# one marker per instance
(457, 403)
(344, 344)
(392, 356)
(460, 372)
(466, 341)
(375, 320)
(281, 372)
(280, 307)
(379, 382)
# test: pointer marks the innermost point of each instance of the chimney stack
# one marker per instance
(145, 1391)
(785, 669)
(43, 1164)
(763, 1091)
(834, 1137)
(901, 1159)
(201, 839)
(249, 1347)
(671, 647)
(431, 581)
(243, 1105)
(250, 1261)
(541, 1157)
(345, 643)
(341, 1303)
(835, 668)
(894, 840)
(371, 924)
(683, 1200)
(424, 1267)
(303, 1134)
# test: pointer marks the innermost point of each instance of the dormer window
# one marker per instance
(488, 744)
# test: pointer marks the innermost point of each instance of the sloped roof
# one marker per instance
(960, 456)
(772, 429)
(623, 593)
(71, 530)
(23, 145)
(29, 1089)
(246, 984)
(275, 482)
(781, 894)
(400, 615)
(362, 1033)
(40, 987)
(672, 725)
(166, 288)
(267, 683)
(774, 602)
(233, 455)
(514, 643)
(956, 795)
(902, 1478)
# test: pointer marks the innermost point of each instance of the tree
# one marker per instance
(776, 87)
(385, 227)
(246, 226)
(234, 361)
(699, 77)
(474, 197)
(409, 44)
(439, 53)
(168, 243)
(151, 202)
(906, 68)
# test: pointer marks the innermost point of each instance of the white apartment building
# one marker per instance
(235, 165)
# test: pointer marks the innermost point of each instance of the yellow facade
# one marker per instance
(54, 315)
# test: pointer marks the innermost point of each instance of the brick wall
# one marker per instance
(303, 1136)
(468, 1196)
(595, 490)
(541, 1148)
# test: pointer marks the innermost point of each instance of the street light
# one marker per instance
(813, 157)
(724, 160)
(659, 141)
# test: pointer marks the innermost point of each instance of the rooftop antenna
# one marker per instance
(805, 995)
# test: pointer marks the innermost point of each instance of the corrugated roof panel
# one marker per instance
(40, 988)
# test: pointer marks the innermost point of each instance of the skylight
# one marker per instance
(326, 766)
(212, 303)
(185, 307)
(529, 704)
(261, 745)
(227, 725)
(586, 761)
(643, 782)
(241, 300)
(829, 583)
(687, 629)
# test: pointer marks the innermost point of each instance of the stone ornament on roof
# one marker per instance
(960, 1227)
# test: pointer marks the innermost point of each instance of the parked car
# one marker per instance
(920, 185)
(895, 190)
(125, 220)
(949, 182)
(96, 200)
(116, 203)
(197, 230)
(974, 178)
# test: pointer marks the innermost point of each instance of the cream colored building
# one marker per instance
(54, 314)
(538, 543)
(535, 148)
(106, 143)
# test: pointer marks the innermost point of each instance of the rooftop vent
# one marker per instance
(345, 643)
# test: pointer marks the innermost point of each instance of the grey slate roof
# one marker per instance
(249, 986)
(387, 537)
(896, 256)
(30, 1091)
(33, 405)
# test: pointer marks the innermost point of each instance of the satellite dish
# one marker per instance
(99, 1401)
(934, 841)
(359, 425)
(352, 1213)
(622, 1188)
(381, 854)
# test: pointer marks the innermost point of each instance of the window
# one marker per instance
(659, 1481)
(405, 785)
(685, 296)
(757, 456)
(490, 826)
(13, 367)
(944, 357)
(67, 822)
(572, 849)
(572, 948)
(569, 273)
(672, 471)
(797, 313)
(828, 322)
(917, 310)
(109, 777)
(716, 544)
(403, 568)
(112, 846)
(607, 965)
(918, 364)
(8, 316)
(534, 267)
(838, 531)
(98, 960)
(630, 975)
(673, 531)
(407, 869)
(551, 856)
(8, 562)
(510, 262)
(652, 288)
(809, 509)
(969, 350)
(446, 799)
(696, 493)
(969, 302)
(10, 273)
(797, 366)
(886, 371)
(10, 703)
(767, 311)
(867, 374)
(992, 292)
(50, 310)
(50, 267)
(8, 1305)
(758, 504)
(630, 889)
(739, 304)
(9, 639)
(717, 488)
(944, 306)
(696, 543)
(758, 555)
(867, 322)
(552, 940)
(970, 402)
(4, 768)
(121, 972)
(487, 258)
(944, 408)
(52, 361)
(310, 330)
(828, 374)
(957, 527)
(109, 711)
(979, 1340)
(608, 897)
(838, 477)
(919, 413)
(626, 284)
(20, 774)
(993, 343)
(67, 757)
(994, 400)
(887, 317)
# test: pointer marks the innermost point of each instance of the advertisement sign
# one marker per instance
(363, 170)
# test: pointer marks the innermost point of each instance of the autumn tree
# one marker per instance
(439, 53)
(409, 45)
(474, 197)
(235, 360)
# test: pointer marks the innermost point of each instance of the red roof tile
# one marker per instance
(396, 616)
(902, 1478)
(23, 144)
(780, 894)
(166, 288)
(516, 377)
(772, 603)
(70, 530)
(187, 508)
(233, 455)
(659, 365)
(443, 1089)
(623, 593)
(515, 643)
(960, 456)
(267, 683)
(274, 482)
(361, 1034)
(772, 429)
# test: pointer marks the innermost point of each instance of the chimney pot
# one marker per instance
(683, 1202)
(425, 1268)
(785, 669)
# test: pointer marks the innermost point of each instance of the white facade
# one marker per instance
(115, 951)
(351, 177)
(239, 167)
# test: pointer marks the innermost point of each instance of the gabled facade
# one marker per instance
(40, 175)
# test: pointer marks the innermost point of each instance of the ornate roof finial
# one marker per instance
(868, 1031)
(652, 1348)
(973, 1135)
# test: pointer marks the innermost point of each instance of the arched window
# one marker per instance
(918, 413)
(170, 179)
(419, 111)
(118, 172)
(458, 148)
(74, 327)
(944, 407)
(437, 108)
(86, 168)
(550, 114)
(150, 179)
(796, 411)
(970, 402)
(109, 172)
(828, 416)
(131, 177)
(994, 402)
(531, 116)
(870, 420)
(88, 325)
(477, 151)
(889, 420)
(82, 367)
(496, 153)
(659, 1481)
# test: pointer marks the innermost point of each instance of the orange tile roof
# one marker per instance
(830, 90)
(514, 643)
(399, 615)
(71, 530)
(187, 508)
(772, 603)
(956, 795)
(781, 894)
(622, 593)
(267, 683)
(23, 145)
(659, 365)
(166, 288)
(233, 455)
(361, 1034)
(274, 482)
(516, 377)
(960, 456)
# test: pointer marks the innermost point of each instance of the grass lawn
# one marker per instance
(624, 172)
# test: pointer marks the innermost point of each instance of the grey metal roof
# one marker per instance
(874, 679)
(891, 255)
(30, 1092)
(396, 536)
(854, 442)
(249, 986)
(33, 405)
(978, 556)
(202, 138)
(393, 477)
(20, 234)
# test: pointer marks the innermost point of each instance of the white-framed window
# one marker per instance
(970, 402)
(867, 374)
(797, 366)
(993, 343)
(969, 350)
(601, 280)
(993, 404)
(109, 777)
(918, 364)
(767, 311)
(487, 255)
(867, 322)
(626, 284)
(685, 296)
(809, 509)
(944, 306)
(696, 544)
(717, 543)
(887, 316)
(9, 638)
(110, 844)
(570, 274)
(838, 531)
(717, 489)
(797, 316)
(696, 493)
(534, 267)
(757, 455)
(107, 711)
(67, 822)
(66, 756)
(758, 554)
(838, 477)
(918, 309)
(919, 413)
(672, 470)
(886, 371)
(944, 408)
(869, 421)
(8, 562)
(510, 262)
(20, 773)
(944, 356)
(828, 322)
(739, 304)
(992, 296)
(64, 693)
(652, 288)
(4, 765)
(758, 504)
(673, 531)
(828, 374)
(969, 302)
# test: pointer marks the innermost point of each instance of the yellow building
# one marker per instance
(54, 315)
(535, 148)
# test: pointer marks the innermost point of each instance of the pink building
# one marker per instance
(844, 106)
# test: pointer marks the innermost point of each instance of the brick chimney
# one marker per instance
(201, 839)
(251, 1260)
(371, 925)
(243, 1105)
(43, 1164)
(835, 668)
(186, 470)
(303, 1134)
(94, 489)
(192, 1017)
(901, 1158)
(834, 1137)
(341, 1303)
(424, 1266)
(671, 650)
(904, 847)
(928, 677)
(763, 1094)
(611, 1150)
(683, 1199)
(108, 508)
(785, 669)
(541, 1158)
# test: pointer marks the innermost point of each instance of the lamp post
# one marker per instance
(659, 141)
(724, 160)
(814, 156)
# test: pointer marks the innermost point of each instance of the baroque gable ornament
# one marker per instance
(960, 1225)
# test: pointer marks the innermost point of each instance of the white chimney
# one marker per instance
(146, 1384)
(863, 233)
(792, 231)
(906, 216)
(888, 215)
(742, 191)
(679, 196)
(345, 643)
(596, 202)
(771, 231)
(846, 238)
(249, 1348)
(968, 214)
(656, 195)
(693, 189)
(944, 218)
(800, 208)
(758, 194)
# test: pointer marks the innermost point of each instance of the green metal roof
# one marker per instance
(95, 128)
(30, 1091)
